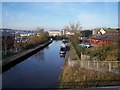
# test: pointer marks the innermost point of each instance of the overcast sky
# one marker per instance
(55, 15)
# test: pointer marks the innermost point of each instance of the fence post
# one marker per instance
(118, 66)
(97, 64)
(109, 65)
(94, 64)
(81, 63)
(88, 64)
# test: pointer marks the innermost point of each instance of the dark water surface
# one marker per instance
(41, 70)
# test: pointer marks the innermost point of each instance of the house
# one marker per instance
(54, 33)
(105, 36)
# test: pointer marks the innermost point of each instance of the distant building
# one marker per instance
(24, 35)
(70, 33)
(99, 31)
(67, 32)
(63, 32)
(54, 33)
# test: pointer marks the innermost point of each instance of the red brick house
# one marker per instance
(105, 36)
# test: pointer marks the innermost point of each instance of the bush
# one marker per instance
(76, 46)
(35, 41)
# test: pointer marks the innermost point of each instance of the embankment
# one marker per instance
(11, 61)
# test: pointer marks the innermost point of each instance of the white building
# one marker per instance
(70, 33)
(54, 33)
(98, 31)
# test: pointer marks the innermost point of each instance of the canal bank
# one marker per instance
(11, 61)
(73, 75)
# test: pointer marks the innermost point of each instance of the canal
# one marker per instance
(41, 70)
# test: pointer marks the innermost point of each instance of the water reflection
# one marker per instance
(62, 55)
(39, 55)
(47, 47)
(41, 70)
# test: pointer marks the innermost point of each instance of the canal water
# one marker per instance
(41, 70)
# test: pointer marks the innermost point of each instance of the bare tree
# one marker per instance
(74, 27)
(40, 29)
